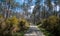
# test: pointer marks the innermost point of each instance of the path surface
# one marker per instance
(33, 31)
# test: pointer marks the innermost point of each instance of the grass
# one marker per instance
(19, 34)
(46, 33)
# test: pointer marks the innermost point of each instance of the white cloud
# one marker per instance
(22, 0)
(57, 8)
(52, 3)
(32, 7)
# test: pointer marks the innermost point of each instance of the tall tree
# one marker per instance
(7, 6)
(36, 11)
(26, 7)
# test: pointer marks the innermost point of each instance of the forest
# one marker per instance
(16, 16)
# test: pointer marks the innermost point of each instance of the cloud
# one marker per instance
(57, 8)
(52, 3)
(22, 0)
(32, 7)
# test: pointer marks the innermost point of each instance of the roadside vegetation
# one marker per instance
(16, 16)
(50, 26)
(13, 26)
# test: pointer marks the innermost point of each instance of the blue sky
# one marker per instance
(42, 3)
(20, 1)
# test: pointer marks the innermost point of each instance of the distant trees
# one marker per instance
(36, 11)
(7, 6)
(45, 9)
(26, 7)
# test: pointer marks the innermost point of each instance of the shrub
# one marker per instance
(51, 25)
(23, 24)
(10, 26)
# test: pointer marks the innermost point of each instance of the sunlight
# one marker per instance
(32, 7)
(57, 8)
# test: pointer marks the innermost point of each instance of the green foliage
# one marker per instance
(19, 34)
(14, 20)
(51, 25)
(23, 24)
(10, 26)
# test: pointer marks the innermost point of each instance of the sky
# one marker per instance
(20, 1)
(30, 10)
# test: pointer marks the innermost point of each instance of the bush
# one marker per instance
(51, 25)
(23, 24)
(10, 26)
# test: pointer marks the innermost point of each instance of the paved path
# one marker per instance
(33, 31)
